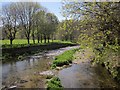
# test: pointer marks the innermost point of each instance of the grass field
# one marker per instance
(17, 41)
(24, 41)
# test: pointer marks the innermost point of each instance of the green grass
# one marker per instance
(18, 41)
(23, 43)
(63, 59)
(54, 84)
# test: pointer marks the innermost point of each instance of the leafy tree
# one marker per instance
(99, 17)
(68, 30)
(52, 22)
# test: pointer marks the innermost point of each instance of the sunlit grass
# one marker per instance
(64, 59)
(24, 41)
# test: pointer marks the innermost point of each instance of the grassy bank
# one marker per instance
(110, 58)
(63, 59)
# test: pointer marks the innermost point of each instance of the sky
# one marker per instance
(53, 6)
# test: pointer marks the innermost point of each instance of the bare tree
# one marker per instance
(9, 21)
(26, 13)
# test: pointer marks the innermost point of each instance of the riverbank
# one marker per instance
(20, 52)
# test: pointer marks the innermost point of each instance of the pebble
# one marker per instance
(58, 68)
(12, 87)
(47, 73)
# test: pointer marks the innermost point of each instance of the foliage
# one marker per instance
(110, 58)
(67, 30)
(98, 21)
(99, 27)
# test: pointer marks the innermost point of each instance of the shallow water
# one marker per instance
(85, 75)
(25, 73)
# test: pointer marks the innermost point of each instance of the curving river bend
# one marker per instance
(25, 73)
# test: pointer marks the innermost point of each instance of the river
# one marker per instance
(25, 73)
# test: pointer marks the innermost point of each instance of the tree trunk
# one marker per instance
(11, 42)
(38, 39)
(33, 39)
(48, 39)
(28, 40)
(41, 38)
(52, 37)
(44, 38)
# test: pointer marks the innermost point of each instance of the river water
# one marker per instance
(80, 76)
(24, 73)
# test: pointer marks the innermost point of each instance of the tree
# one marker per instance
(37, 22)
(26, 13)
(68, 30)
(40, 24)
(105, 19)
(52, 22)
(10, 21)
